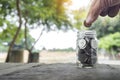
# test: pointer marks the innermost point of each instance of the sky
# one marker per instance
(59, 39)
(55, 40)
(76, 4)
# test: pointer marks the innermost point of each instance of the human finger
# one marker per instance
(93, 14)
(113, 11)
(104, 12)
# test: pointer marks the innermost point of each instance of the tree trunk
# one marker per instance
(17, 32)
(25, 34)
(30, 51)
(113, 55)
(30, 56)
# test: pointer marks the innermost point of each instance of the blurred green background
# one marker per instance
(18, 17)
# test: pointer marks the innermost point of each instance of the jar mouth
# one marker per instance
(86, 33)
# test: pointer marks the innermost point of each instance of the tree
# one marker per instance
(105, 26)
(43, 16)
(8, 29)
(18, 30)
(6, 7)
(108, 33)
(8, 32)
(111, 43)
(78, 16)
(39, 12)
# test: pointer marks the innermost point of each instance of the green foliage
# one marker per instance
(1, 22)
(3, 48)
(7, 33)
(110, 41)
(79, 16)
(106, 26)
(108, 31)
(30, 41)
(6, 7)
(46, 12)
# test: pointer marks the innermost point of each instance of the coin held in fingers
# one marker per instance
(87, 24)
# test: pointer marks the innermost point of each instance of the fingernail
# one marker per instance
(88, 20)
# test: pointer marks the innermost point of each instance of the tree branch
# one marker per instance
(37, 39)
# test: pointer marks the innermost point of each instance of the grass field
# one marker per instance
(50, 57)
(57, 57)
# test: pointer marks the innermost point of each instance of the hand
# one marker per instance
(102, 8)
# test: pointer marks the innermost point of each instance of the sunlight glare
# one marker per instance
(77, 4)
